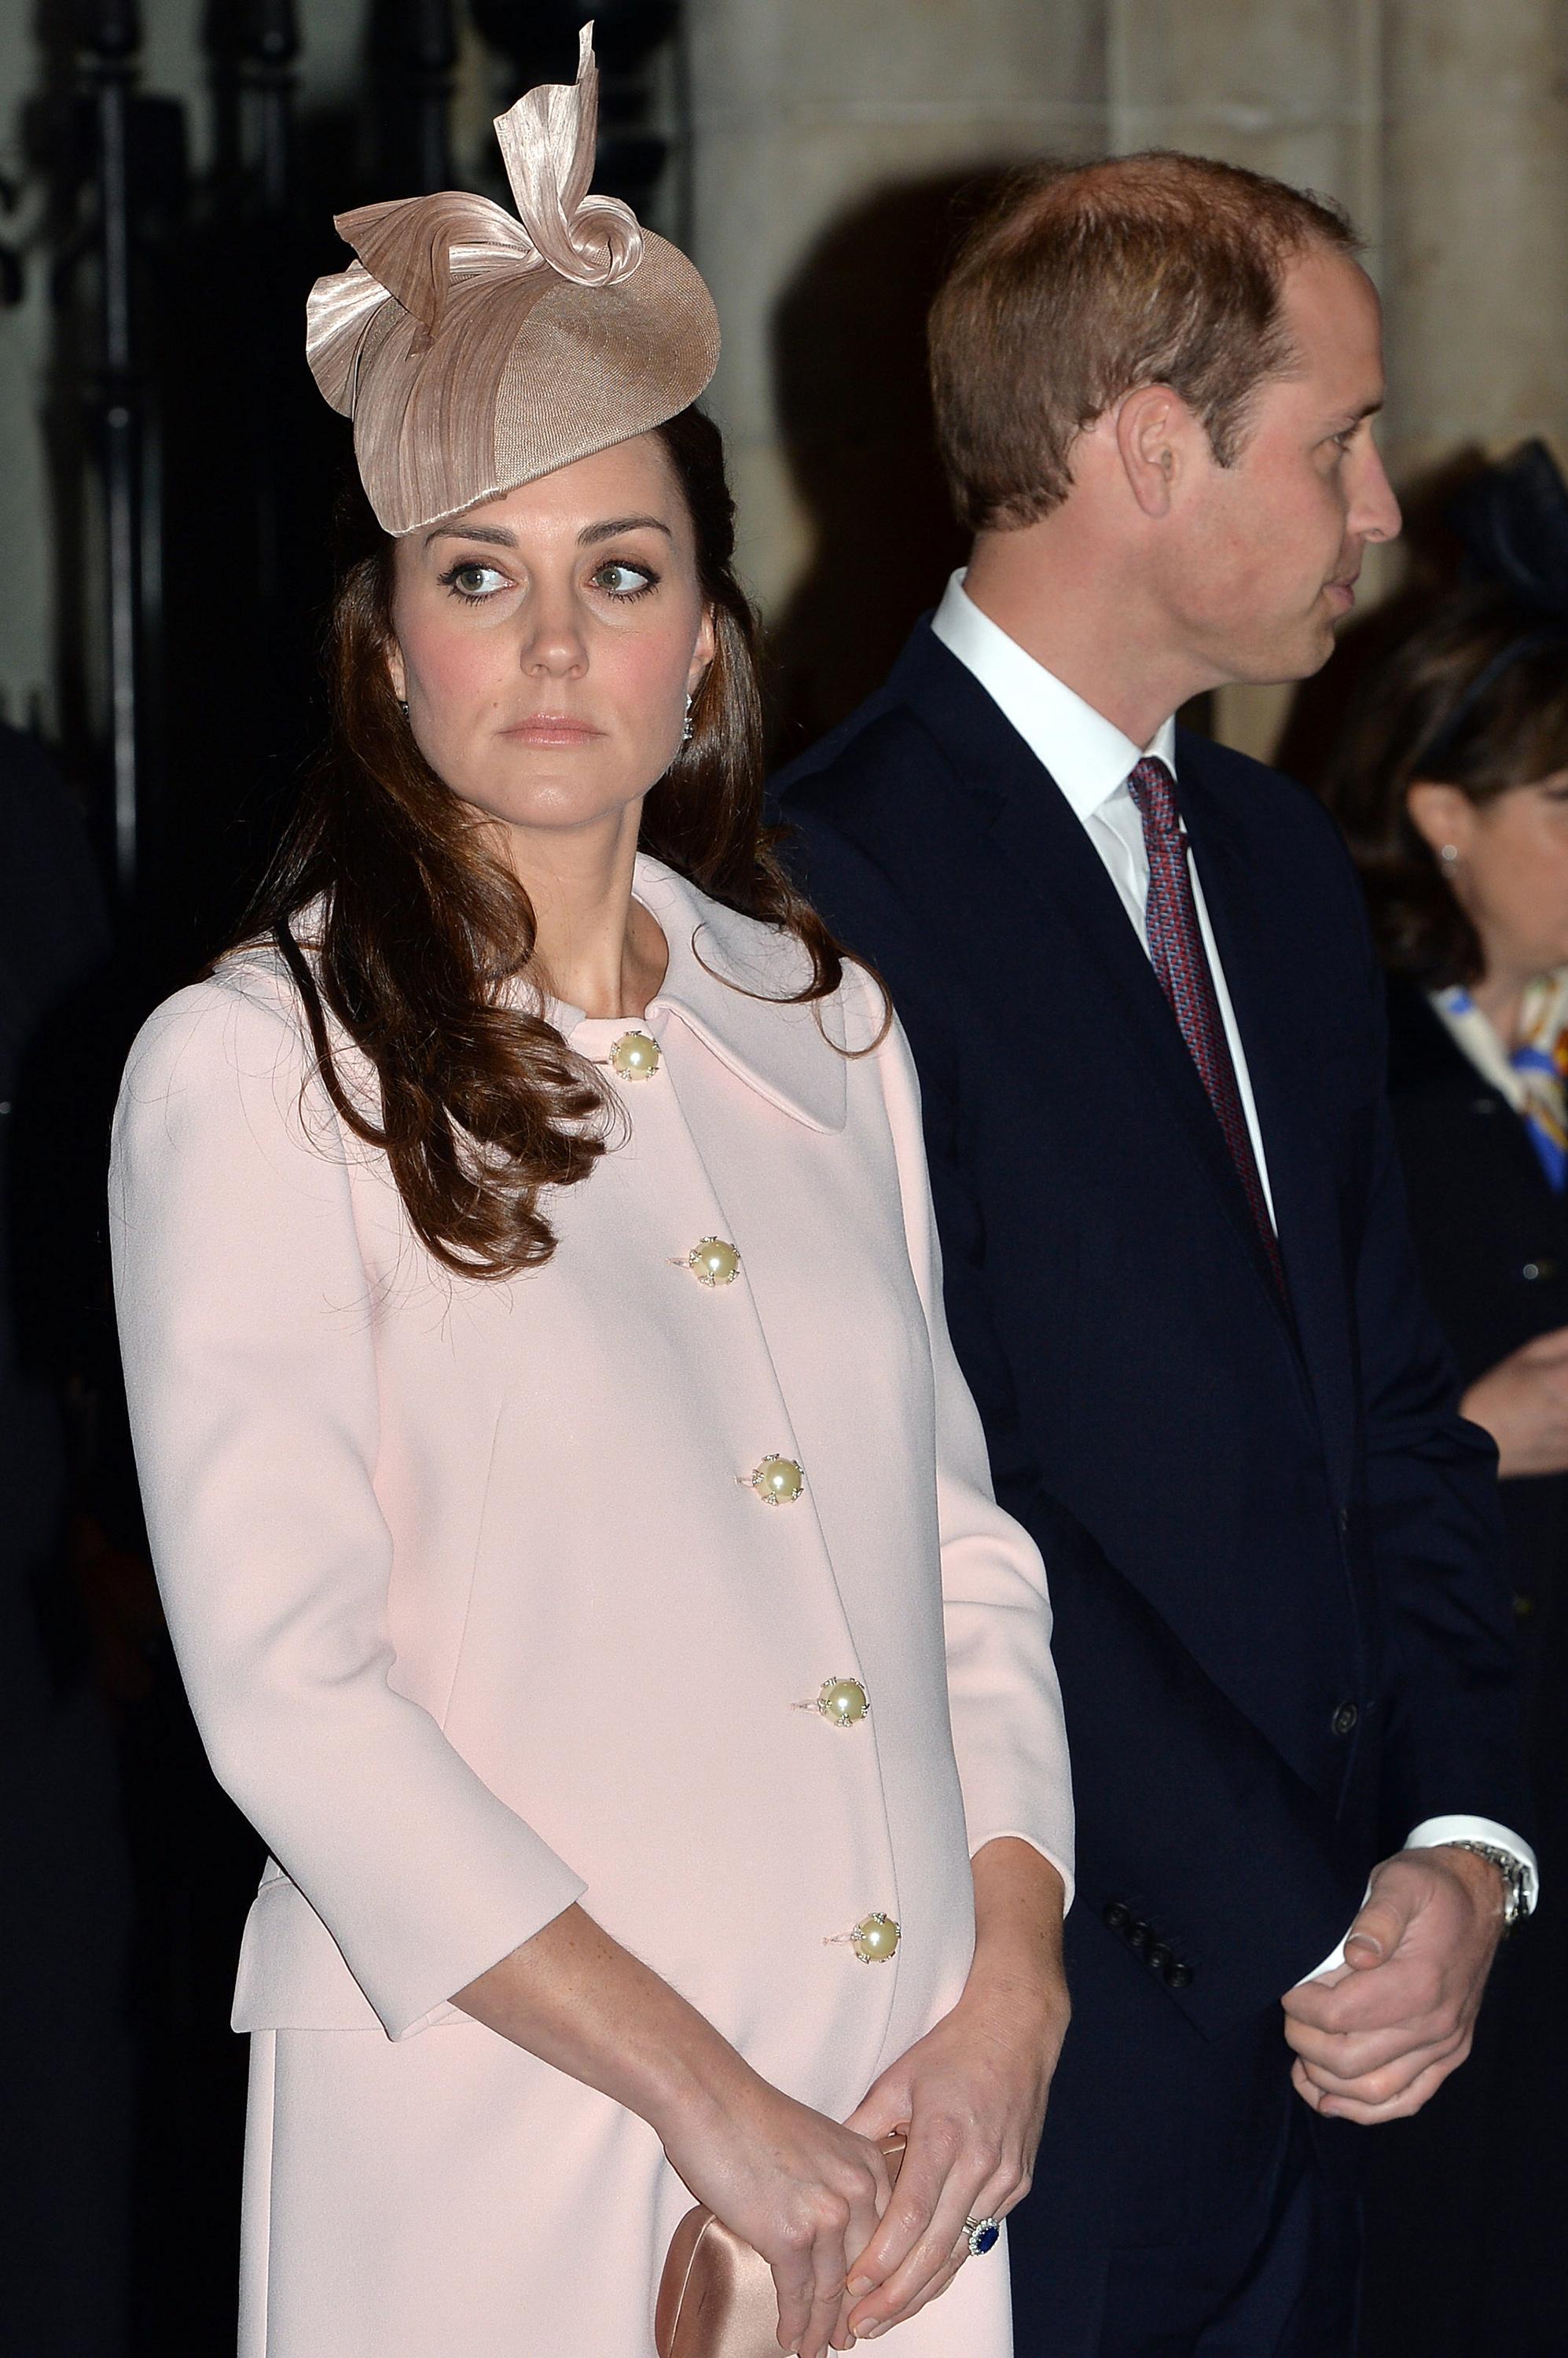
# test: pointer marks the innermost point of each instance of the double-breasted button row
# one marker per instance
(1145, 1942)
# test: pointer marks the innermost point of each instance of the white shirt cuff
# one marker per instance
(1461, 1828)
(1431, 1835)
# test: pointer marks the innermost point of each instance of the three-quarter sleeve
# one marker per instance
(247, 1320)
(1008, 1736)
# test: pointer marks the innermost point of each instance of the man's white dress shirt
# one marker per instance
(1090, 761)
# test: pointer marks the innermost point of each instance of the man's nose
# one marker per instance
(1375, 515)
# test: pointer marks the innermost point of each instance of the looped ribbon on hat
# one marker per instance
(414, 248)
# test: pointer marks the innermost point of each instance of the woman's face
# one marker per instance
(546, 640)
(1512, 872)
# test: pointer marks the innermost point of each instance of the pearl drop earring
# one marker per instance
(403, 707)
(1450, 855)
(686, 734)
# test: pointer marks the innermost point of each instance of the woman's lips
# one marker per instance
(551, 729)
(1345, 591)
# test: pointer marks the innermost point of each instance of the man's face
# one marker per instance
(1264, 562)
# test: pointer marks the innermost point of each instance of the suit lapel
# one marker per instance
(1047, 862)
(1281, 1049)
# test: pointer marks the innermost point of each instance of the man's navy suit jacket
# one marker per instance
(1282, 1626)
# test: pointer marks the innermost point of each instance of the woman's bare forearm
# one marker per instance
(803, 2191)
(576, 1998)
(1019, 1902)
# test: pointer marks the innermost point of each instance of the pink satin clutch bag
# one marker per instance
(716, 2295)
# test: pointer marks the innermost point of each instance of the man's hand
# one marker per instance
(1376, 2038)
(1523, 1403)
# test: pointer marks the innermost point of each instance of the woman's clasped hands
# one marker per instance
(971, 2096)
(805, 2191)
(854, 2253)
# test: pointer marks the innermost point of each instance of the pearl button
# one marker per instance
(778, 1481)
(874, 1939)
(635, 1058)
(714, 1262)
(842, 1702)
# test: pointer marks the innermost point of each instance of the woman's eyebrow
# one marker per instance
(499, 537)
(595, 532)
(495, 534)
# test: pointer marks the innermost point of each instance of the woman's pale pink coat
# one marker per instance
(480, 1616)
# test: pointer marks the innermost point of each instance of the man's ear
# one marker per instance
(1153, 439)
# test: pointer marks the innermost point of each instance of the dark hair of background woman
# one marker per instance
(421, 923)
(1415, 717)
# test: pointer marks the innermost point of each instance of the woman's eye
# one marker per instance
(623, 580)
(474, 581)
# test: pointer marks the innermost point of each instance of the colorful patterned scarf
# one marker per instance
(1533, 1077)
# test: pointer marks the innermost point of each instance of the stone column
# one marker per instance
(1477, 273)
(827, 141)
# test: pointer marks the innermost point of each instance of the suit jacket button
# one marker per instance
(1160, 1959)
(1177, 1975)
(1139, 1934)
(1113, 1915)
(1345, 1719)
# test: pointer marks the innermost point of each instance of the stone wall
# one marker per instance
(829, 137)
(829, 131)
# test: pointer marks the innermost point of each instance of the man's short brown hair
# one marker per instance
(1084, 281)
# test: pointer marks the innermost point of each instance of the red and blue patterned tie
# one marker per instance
(1176, 948)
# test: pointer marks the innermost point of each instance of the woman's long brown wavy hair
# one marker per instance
(417, 925)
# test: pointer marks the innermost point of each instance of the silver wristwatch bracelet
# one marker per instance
(1515, 1875)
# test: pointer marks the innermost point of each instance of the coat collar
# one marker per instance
(727, 976)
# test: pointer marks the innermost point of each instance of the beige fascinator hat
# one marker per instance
(474, 352)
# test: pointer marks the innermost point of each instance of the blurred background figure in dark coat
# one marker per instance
(1451, 782)
(63, 2047)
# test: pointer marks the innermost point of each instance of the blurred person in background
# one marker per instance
(1451, 783)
